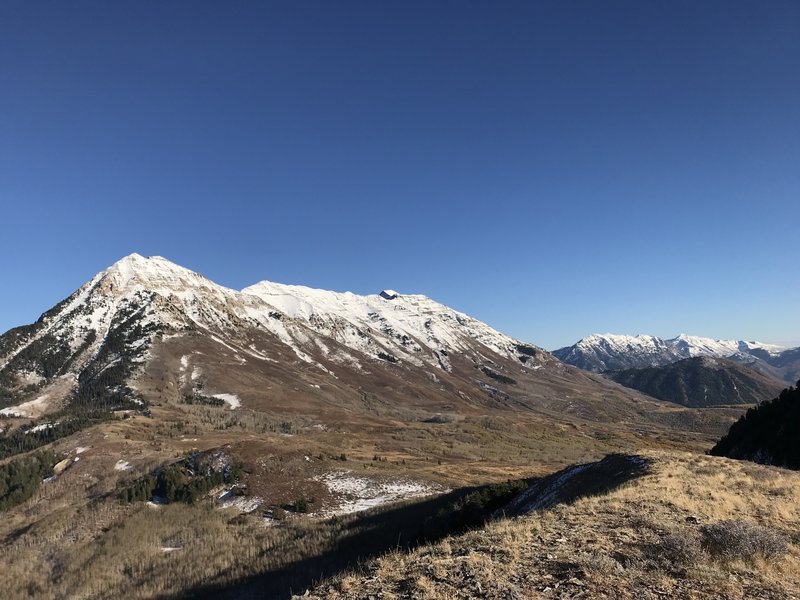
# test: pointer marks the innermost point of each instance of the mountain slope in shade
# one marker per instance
(786, 365)
(146, 330)
(699, 382)
(610, 352)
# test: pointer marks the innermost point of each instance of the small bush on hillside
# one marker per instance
(679, 550)
(499, 376)
(740, 540)
(598, 564)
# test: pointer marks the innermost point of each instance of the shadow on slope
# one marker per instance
(578, 481)
(408, 526)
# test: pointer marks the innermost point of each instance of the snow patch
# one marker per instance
(361, 493)
(231, 400)
(27, 409)
(122, 465)
(244, 504)
(41, 427)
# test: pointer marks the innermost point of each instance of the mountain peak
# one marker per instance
(153, 273)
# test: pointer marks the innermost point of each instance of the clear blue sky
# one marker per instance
(552, 168)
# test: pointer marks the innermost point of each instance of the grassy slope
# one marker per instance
(601, 547)
(81, 542)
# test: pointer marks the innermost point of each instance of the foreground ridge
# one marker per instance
(655, 535)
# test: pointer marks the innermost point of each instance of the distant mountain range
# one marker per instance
(609, 352)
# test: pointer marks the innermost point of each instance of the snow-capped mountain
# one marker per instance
(103, 346)
(692, 346)
(414, 327)
(610, 352)
(600, 353)
(146, 335)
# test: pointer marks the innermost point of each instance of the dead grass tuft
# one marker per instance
(679, 550)
(741, 540)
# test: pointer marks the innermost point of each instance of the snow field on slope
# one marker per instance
(27, 409)
(360, 493)
(231, 400)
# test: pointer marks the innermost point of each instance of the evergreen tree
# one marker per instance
(768, 433)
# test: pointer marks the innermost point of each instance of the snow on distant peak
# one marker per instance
(700, 346)
(772, 349)
(599, 352)
(693, 345)
(689, 345)
(621, 341)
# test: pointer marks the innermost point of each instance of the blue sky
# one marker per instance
(552, 168)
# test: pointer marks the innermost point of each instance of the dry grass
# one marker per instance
(603, 546)
(73, 540)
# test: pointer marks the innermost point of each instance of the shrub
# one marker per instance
(598, 564)
(301, 505)
(681, 550)
(736, 539)
(499, 376)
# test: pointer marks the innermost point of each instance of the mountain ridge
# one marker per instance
(98, 344)
(614, 352)
(700, 381)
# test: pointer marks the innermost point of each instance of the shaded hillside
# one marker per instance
(768, 433)
(578, 481)
(787, 365)
(700, 382)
